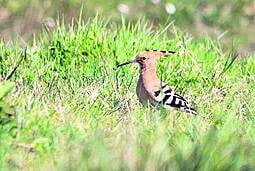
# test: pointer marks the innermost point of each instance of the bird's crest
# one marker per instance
(160, 52)
(148, 56)
(155, 53)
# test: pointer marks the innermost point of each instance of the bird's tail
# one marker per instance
(190, 110)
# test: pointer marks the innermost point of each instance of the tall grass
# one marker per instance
(74, 110)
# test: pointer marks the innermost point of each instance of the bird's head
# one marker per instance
(148, 57)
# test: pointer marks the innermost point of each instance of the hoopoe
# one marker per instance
(150, 89)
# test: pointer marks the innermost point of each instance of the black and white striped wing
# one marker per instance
(169, 99)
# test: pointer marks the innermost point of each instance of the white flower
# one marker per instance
(155, 1)
(170, 8)
(123, 8)
(50, 22)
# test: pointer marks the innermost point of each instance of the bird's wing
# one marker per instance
(168, 98)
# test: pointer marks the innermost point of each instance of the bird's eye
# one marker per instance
(143, 58)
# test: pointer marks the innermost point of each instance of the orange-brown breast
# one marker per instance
(147, 84)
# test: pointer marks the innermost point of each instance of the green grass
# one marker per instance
(74, 110)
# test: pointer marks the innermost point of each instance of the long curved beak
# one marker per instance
(126, 63)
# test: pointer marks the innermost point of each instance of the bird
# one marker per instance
(150, 89)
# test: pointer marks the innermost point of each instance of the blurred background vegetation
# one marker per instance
(227, 20)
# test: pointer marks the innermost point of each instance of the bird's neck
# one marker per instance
(148, 72)
(148, 76)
